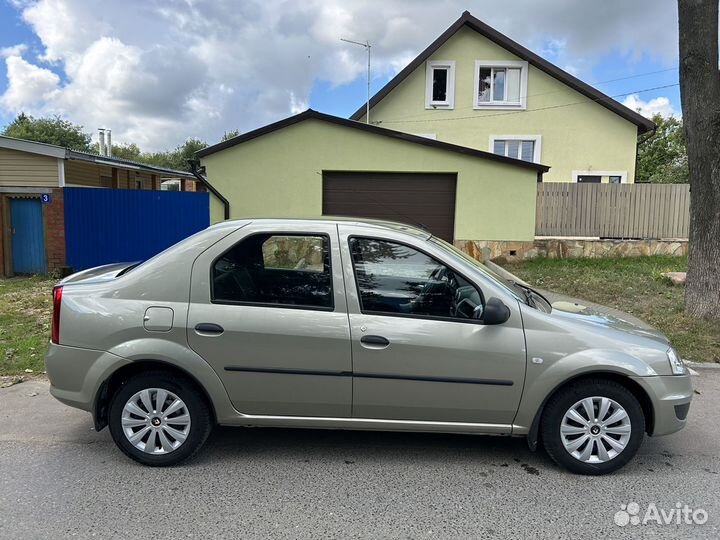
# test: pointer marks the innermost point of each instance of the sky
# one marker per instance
(158, 72)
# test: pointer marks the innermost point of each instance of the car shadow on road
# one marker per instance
(279, 445)
(387, 447)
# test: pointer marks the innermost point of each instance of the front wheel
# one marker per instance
(158, 419)
(593, 427)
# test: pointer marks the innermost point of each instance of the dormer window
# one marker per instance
(440, 85)
(500, 85)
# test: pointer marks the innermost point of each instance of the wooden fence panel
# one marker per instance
(613, 211)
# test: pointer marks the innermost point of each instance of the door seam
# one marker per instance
(347, 315)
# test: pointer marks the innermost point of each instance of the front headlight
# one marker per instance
(676, 364)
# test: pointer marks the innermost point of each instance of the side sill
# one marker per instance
(371, 424)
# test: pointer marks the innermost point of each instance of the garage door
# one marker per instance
(426, 200)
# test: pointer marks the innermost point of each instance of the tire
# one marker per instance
(190, 418)
(627, 432)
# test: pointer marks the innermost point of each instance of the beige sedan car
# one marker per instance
(348, 324)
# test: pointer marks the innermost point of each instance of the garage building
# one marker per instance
(314, 164)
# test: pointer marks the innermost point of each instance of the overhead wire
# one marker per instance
(549, 107)
(634, 76)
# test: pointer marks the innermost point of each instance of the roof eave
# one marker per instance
(311, 114)
(124, 164)
(32, 147)
(51, 150)
(256, 133)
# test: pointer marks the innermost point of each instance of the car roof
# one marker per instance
(416, 231)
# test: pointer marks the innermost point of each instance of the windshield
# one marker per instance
(506, 283)
(522, 292)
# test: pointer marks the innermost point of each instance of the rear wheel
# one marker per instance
(593, 426)
(158, 419)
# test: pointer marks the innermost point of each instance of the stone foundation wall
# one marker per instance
(561, 248)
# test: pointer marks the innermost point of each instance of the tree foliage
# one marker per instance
(175, 159)
(55, 130)
(129, 151)
(170, 159)
(52, 130)
(662, 159)
(230, 134)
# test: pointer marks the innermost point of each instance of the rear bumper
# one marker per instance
(76, 374)
(671, 396)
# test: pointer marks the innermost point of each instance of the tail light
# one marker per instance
(57, 303)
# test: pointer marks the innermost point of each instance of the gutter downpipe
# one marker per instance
(650, 136)
(640, 143)
(195, 170)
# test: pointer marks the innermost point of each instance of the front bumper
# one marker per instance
(670, 396)
(76, 374)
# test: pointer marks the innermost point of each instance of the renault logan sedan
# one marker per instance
(352, 325)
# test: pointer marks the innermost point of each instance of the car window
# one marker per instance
(503, 282)
(294, 253)
(282, 269)
(393, 278)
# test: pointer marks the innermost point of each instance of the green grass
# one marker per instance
(633, 285)
(25, 312)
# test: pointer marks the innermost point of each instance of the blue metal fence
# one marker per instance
(118, 225)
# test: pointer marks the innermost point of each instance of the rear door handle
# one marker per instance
(209, 328)
(374, 342)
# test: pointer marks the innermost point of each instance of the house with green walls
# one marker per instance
(457, 143)
(476, 87)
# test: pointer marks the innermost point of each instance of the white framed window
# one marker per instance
(440, 84)
(525, 147)
(600, 177)
(500, 84)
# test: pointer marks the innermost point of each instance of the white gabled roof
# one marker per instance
(32, 147)
(51, 150)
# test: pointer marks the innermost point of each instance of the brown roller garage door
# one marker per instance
(419, 199)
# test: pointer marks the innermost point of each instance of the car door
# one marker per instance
(268, 313)
(416, 354)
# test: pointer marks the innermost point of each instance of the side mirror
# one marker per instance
(495, 312)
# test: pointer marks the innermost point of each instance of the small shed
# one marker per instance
(33, 178)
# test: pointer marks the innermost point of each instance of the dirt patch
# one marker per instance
(11, 380)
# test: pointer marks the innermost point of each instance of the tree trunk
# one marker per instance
(700, 95)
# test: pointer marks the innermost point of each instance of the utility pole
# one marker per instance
(367, 47)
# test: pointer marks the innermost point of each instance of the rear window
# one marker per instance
(275, 270)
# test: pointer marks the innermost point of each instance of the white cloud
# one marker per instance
(27, 84)
(297, 105)
(160, 72)
(658, 105)
(13, 50)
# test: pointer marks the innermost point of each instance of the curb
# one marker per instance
(702, 365)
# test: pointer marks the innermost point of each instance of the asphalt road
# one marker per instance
(60, 479)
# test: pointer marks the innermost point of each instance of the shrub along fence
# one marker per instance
(626, 211)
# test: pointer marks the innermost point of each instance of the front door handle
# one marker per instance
(374, 342)
(209, 328)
